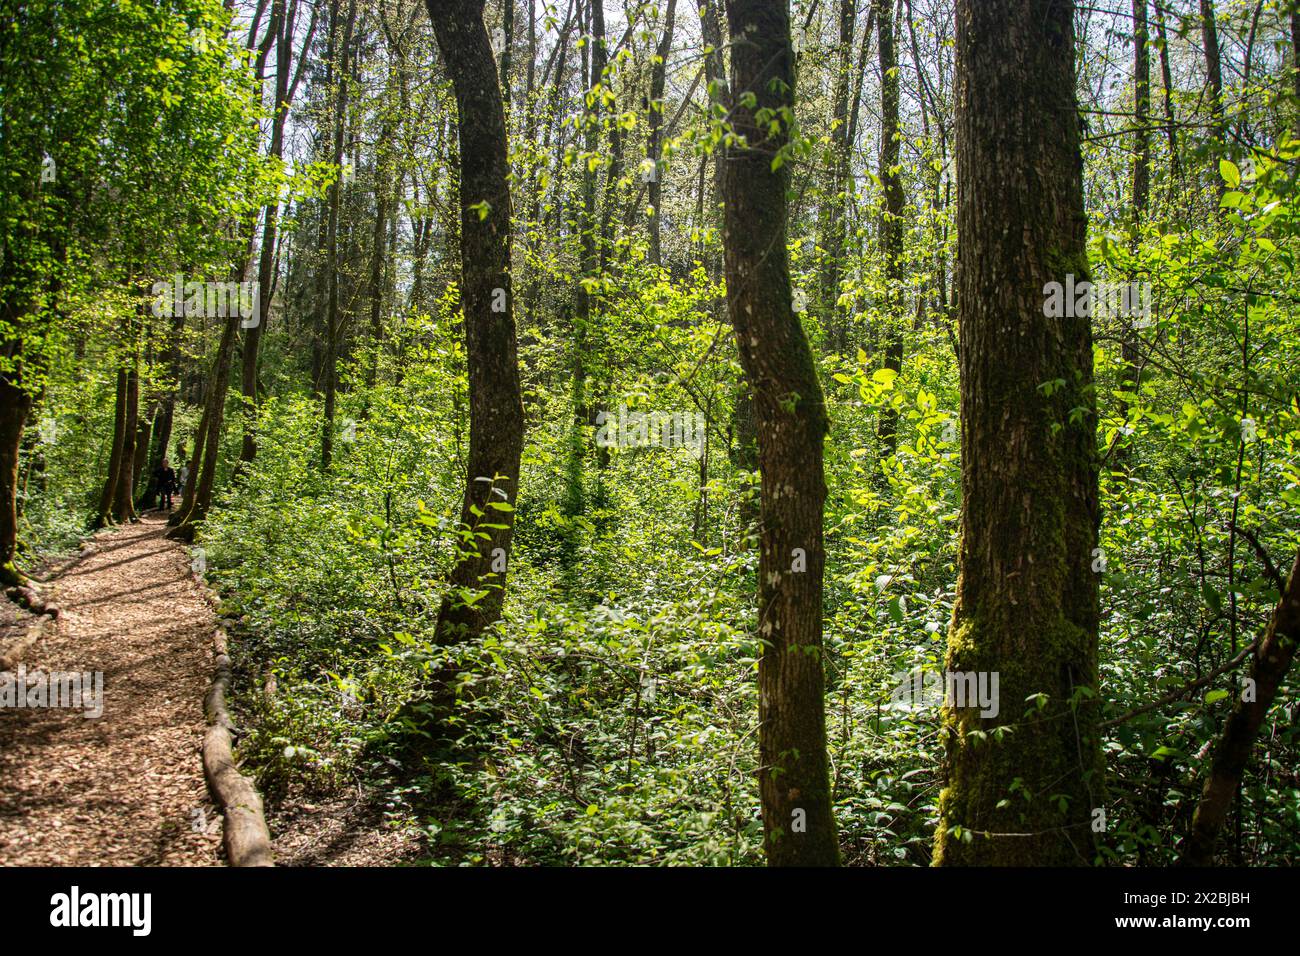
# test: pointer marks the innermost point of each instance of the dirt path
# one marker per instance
(122, 788)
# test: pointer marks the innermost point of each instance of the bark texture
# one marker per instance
(477, 585)
(790, 414)
(1027, 598)
(15, 405)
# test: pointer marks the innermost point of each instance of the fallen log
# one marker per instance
(246, 837)
(31, 599)
(12, 653)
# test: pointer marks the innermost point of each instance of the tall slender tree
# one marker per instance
(333, 314)
(283, 20)
(1141, 179)
(1295, 63)
(658, 73)
(1213, 67)
(477, 585)
(1167, 88)
(790, 412)
(834, 224)
(891, 214)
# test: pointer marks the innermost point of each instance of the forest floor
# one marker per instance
(124, 788)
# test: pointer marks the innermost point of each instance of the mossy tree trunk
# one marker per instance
(1021, 785)
(15, 406)
(790, 415)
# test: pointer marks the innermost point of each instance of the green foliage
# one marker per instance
(611, 717)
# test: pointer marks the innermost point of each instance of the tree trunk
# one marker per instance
(270, 229)
(15, 406)
(1213, 70)
(329, 371)
(507, 47)
(378, 288)
(798, 826)
(932, 174)
(24, 334)
(605, 245)
(585, 302)
(891, 216)
(1167, 85)
(658, 72)
(207, 442)
(833, 224)
(1141, 110)
(1131, 372)
(1214, 78)
(123, 491)
(196, 458)
(715, 76)
(163, 421)
(1027, 599)
(1295, 63)
(108, 496)
(143, 431)
(496, 405)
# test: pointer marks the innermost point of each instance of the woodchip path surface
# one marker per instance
(125, 788)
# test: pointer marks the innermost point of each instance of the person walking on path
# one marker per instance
(164, 478)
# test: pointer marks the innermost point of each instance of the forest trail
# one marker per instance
(122, 788)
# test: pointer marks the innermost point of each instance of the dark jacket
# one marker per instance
(164, 479)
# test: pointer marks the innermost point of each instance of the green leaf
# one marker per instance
(1230, 173)
(1212, 597)
(896, 610)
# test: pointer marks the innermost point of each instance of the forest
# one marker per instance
(535, 433)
